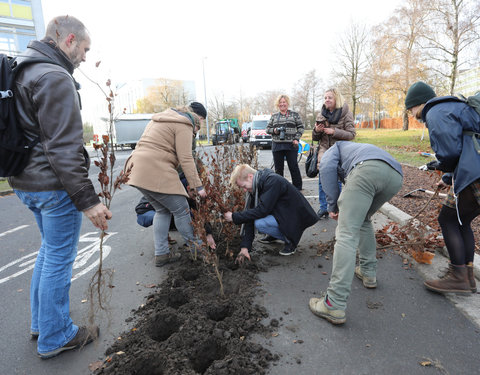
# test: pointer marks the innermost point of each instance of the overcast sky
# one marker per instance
(249, 46)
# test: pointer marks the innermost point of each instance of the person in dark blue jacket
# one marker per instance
(453, 127)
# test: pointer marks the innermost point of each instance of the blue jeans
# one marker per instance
(59, 223)
(269, 225)
(165, 206)
(146, 219)
(321, 195)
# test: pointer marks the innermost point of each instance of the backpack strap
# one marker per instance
(17, 67)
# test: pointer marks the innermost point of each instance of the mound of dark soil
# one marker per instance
(188, 328)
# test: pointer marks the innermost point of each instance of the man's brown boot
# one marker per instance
(454, 281)
(471, 277)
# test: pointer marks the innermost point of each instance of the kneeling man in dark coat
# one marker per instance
(273, 206)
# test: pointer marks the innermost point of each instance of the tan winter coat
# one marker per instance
(344, 131)
(165, 143)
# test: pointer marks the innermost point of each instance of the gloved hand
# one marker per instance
(433, 165)
(423, 167)
(447, 178)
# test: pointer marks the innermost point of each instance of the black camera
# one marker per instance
(281, 130)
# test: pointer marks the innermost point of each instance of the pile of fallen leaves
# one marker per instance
(414, 238)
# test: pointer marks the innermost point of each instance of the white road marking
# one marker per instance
(13, 230)
(27, 262)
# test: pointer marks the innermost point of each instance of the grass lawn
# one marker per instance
(405, 146)
(4, 185)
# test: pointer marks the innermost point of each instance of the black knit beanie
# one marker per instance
(198, 109)
(418, 93)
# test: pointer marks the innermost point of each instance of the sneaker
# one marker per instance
(267, 239)
(161, 260)
(34, 335)
(83, 337)
(322, 214)
(319, 308)
(289, 249)
(368, 282)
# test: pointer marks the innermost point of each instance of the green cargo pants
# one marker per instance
(368, 186)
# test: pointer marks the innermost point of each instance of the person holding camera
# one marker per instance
(334, 123)
(286, 128)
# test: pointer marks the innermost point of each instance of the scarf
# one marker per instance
(248, 200)
(332, 117)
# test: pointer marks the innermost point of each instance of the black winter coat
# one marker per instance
(277, 197)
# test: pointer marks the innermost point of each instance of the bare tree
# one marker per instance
(219, 109)
(306, 97)
(264, 103)
(352, 59)
(163, 94)
(454, 26)
(395, 59)
(244, 106)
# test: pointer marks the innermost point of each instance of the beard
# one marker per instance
(75, 57)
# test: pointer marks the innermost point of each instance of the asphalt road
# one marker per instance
(388, 330)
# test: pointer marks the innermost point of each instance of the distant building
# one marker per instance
(468, 82)
(20, 22)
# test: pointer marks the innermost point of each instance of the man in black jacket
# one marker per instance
(273, 206)
(55, 185)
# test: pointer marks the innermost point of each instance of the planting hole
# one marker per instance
(219, 312)
(205, 354)
(162, 326)
(176, 298)
(190, 275)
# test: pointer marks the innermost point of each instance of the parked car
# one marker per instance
(258, 132)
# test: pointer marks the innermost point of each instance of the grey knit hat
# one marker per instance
(418, 93)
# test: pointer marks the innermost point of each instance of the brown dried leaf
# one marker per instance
(94, 366)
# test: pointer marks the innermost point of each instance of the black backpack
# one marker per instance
(14, 147)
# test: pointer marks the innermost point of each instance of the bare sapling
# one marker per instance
(101, 283)
(215, 175)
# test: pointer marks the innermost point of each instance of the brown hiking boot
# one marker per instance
(471, 278)
(454, 281)
(83, 337)
(161, 260)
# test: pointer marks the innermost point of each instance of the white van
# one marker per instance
(258, 131)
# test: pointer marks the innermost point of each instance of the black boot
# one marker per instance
(322, 214)
(267, 239)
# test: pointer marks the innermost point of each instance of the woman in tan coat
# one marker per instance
(334, 123)
(165, 144)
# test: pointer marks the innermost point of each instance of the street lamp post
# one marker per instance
(205, 95)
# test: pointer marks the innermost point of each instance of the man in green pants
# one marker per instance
(372, 177)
